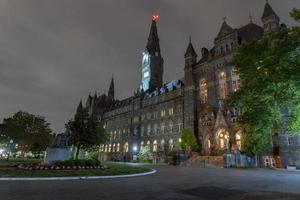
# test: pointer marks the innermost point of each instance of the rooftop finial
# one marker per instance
(190, 39)
(155, 17)
(224, 19)
(250, 17)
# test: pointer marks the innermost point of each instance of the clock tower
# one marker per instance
(152, 62)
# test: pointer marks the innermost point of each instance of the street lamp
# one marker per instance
(135, 148)
(10, 148)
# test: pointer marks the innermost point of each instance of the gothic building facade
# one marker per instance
(158, 112)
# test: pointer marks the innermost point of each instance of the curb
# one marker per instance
(75, 177)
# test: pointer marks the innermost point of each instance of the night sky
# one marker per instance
(54, 52)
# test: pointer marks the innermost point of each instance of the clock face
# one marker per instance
(146, 74)
(145, 71)
(145, 58)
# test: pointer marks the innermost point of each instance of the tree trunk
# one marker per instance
(77, 152)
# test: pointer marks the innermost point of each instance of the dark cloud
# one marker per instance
(53, 53)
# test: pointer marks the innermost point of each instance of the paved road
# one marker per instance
(172, 183)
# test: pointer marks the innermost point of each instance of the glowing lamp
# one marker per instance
(135, 148)
(155, 17)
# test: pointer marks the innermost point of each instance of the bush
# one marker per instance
(77, 163)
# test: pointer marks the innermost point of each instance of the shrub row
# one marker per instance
(68, 164)
(77, 163)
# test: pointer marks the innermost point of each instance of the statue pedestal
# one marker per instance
(54, 154)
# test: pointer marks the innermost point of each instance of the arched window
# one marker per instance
(162, 127)
(154, 146)
(171, 144)
(114, 147)
(238, 140)
(142, 130)
(223, 139)
(142, 145)
(203, 91)
(109, 148)
(222, 85)
(148, 129)
(118, 147)
(162, 144)
(171, 127)
(235, 79)
(125, 147)
(155, 129)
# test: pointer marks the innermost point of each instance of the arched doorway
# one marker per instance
(222, 139)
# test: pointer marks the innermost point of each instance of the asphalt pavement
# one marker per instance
(170, 182)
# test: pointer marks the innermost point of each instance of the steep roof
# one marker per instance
(268, 11)
(153, 40)
(224, 30)
(250, 31)
(190, 50)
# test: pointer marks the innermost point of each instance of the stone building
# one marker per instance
(158, 112)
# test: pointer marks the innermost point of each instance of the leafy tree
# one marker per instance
(145, 154)
(26, 130)
(86, 131)
(188, 141)
(269, 99)
(295, 13)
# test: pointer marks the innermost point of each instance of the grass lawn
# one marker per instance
(113, 170)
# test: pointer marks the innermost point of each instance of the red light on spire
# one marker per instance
(155, 17)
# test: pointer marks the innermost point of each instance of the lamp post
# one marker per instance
(10, 148)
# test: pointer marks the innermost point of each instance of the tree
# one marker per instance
(26, 130)
(86, 131)
(188, 141)
(269, 99)
(145, 154)
(295, 13)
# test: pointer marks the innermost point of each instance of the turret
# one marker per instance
(190, 57)
(111, 91)
(270, 19)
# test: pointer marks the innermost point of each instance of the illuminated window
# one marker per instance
(125, 147)
(235, 79)
(148, 143)
(154, 146)
(109, 148)
(162, 113)
(222, 85)
(223, 139)
(114, 148)
(162, 144)
(142, 145)
(238, 140)
(171, 111)
(203, 91)
(171, 144)
(118, 147)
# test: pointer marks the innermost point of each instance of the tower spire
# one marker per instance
(111, 91)
(152, 65)
(153, 40)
